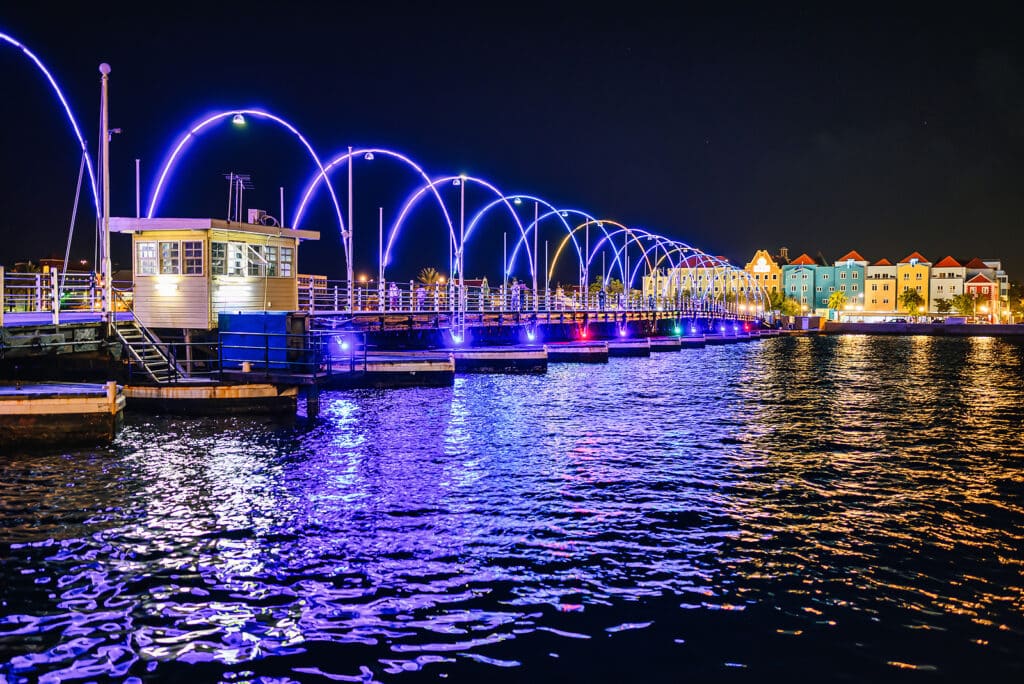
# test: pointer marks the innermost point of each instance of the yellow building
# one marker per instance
(880, 287)
(912, 273)
(186, 271)
(766, 273)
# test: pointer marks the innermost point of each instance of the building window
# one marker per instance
(885, 287)
(193, 257)
(218, 258)
(842, 288)
(817, 289)
(286, 261)
(270, 254)
(918, 276)
(145, 258)
(843, 275)
(236, 258)
(170, 259)
(918, 288)
(853, 288)
(854, 275)
(255, 261)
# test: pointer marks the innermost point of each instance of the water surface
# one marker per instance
(816, 508)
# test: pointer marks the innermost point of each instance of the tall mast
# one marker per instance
(108, 291)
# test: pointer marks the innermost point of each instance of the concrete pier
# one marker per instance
(212, 398)
(393, 369)
(50, 414)
(692, 342)
(664, 344)
(625, 346)
(515, 359)
(595, 351)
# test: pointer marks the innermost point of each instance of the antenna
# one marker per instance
(237, 184)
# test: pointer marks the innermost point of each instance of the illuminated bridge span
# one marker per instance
(556, 261)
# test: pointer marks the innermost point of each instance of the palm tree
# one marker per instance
(429, 276)
(911, 300)
(837, 300)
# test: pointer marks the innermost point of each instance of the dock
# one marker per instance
(509, 359)
(666, 343)
(207, 398)
(625, 346)
(595, 351)
(59, 413)
(391, 369)
(692, 342)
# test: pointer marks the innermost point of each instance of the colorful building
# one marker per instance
(986, 297)
(765, 271)
(850, 274)
(912, 273)
(947, 281)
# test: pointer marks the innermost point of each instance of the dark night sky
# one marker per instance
(734, 128)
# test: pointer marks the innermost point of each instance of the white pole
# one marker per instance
(504, 266)
(547, 278)
(107, 289)
(281, 192)
(351, 287)
(380, 246)
(536, 299)
(138, 205)
(462, 240)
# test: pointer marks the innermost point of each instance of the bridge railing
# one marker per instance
(52, 292)
(411, 297)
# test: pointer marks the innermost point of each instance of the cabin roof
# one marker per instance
(120, 224)
(949, 262)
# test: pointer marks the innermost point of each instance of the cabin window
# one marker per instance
(286, 260)
(270, 254)
(236, 258)
(218, 258)
(145, 258)
(170, 258)
(193, 250)
(255, 266)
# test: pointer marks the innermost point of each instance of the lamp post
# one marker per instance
(348, 245)
(108, 291)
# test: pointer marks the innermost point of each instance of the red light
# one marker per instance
(583, 334)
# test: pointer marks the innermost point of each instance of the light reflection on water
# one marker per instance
(811, 507)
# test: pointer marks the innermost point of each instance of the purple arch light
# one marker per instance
(524, 234)
(414, 198)
(535, 225)
(67, 110)
(166, 170)
(314, 182)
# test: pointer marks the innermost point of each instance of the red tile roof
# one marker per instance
(949, 262)
(802, 260)
(852, 255)
(980, 278)
(882, 262)
(914, 255)
(976, 263)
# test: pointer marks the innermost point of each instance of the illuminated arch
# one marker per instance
(523, 238)
(314, 182)
(67, 110)
(166, 170)
(590, 220)
(411, 201)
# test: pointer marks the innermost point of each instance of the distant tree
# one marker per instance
(943, 306)
(837, 300)
(1016, 294)
(614, 286)
(789, 307)
(911, 301)
(775, 299)
(429, 276)
(964, 304)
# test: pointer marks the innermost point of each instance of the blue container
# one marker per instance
(266, 339)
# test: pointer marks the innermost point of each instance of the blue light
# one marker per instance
(693, 329)
(530, 336)
(622, 332)
(344, 346)
(677, 330)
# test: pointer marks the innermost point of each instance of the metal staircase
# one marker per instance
(147, 352)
